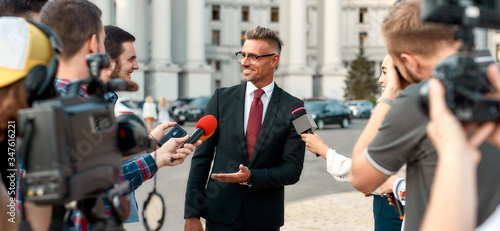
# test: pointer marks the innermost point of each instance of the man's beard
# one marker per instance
(115, 72)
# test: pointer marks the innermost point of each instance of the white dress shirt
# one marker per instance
(268, 91)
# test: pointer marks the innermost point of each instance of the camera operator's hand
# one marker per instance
(494, 78)
(160, 130)
(172, 149)
(456, 169)
(447, 133)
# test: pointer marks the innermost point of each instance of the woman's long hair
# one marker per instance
(13, 98)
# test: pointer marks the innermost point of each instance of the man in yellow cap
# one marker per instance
(24, 53)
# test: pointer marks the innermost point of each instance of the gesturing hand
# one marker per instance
(240, 176)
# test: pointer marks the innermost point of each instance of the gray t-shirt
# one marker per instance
(402, 139)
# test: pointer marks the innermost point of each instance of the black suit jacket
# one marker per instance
(277, 161)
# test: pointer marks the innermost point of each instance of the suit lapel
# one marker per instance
(271, 113)
(239, 117)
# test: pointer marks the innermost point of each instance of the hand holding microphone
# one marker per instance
(204, 129)
(302, 122)
(397, 205)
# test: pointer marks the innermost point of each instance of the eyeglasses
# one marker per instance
(251, 57)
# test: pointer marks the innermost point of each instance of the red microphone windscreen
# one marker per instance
(208, 123)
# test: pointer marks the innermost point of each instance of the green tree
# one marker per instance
(361, 82)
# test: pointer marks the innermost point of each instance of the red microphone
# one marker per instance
(204, 129)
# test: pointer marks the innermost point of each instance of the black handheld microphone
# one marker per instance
(398, 206)
(302, 122)
(204, 129)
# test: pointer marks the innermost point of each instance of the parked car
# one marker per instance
(124, 106)
(180, 102)
(192, 112)
(361, 108)
(328, 112)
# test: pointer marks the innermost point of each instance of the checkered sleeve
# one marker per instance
(138, 170)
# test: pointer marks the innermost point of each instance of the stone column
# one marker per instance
(332, 71)
(106, 6)
(196, 79)
(164, 72)
(141, 32)
(126, 15)
(297, 79)
(126, 11)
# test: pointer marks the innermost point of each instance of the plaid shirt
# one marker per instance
(135, 170)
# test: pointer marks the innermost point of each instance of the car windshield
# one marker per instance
(200, 102)
(314, 106)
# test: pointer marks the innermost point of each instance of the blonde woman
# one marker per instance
(149, 112)
(163, 114)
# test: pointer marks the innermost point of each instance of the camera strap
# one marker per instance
(29, 128)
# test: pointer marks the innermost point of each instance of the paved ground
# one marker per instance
(315, 203)
(349, 211)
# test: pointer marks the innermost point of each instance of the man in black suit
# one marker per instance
(257, 150)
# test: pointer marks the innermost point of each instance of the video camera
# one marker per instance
(464, 74)
(72, 146)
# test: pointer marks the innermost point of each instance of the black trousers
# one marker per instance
(240, 224)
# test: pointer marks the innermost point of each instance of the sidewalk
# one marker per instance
(350, 211)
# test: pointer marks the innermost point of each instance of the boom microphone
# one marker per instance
(121, 85)
(204, 129)
(302, 122)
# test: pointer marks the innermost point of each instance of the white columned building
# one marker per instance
(126, 11)
(185, 48)
(165, 74)
(107, 9)
(296, 76)
(196, 76)
(332, 71)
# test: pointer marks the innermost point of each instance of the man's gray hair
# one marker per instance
(263, 33)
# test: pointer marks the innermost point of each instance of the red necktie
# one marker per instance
(254, 122)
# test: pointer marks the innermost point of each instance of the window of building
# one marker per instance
(217, 65)
(216, 37)
(363, 39)
(245, 13)
(216, 12)
(363, 12)
(217, 83)
(242, 38)
(275, 14)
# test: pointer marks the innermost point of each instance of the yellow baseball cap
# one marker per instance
(22, 47)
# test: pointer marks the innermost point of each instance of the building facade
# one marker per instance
(186, 48)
